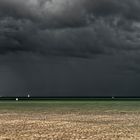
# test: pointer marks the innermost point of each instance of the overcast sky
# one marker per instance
(70, 47)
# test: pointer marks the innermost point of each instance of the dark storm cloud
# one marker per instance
(127, 9)
(41, 42)
(80, 28)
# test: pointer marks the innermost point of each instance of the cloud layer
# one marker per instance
(73, 28)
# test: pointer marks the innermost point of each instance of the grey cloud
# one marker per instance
(69, 28)
(67, 12)
(127, 9)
